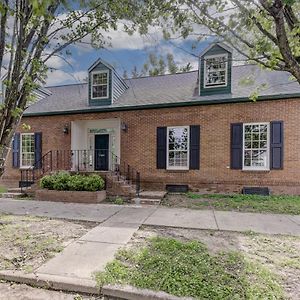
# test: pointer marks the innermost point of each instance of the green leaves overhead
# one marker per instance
(266, 32)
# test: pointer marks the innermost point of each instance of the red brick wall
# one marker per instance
(138, 144)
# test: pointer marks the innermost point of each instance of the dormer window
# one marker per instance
(215, 70)
(99, 84)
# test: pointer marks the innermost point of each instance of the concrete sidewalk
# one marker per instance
(73, 268)
(96, 248)
(225, 220)
(156, 216)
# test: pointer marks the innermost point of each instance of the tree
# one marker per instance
(33, 31)
(158, 65)
(263, 31)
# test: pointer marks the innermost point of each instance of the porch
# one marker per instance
(120, 178)
(95, 148)
(95, 145)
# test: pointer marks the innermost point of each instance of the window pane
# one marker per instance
(255, 144)
(247, 144)
(171, 158)
(100, 78)
(99, 91)
(263, 144)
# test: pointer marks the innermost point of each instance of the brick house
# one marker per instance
(197, 128)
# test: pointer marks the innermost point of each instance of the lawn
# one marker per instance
(3, 189)
(236, 202)
(208, 265)
(26, 242)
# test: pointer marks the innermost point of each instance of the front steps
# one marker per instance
(117, 186)
(11, 195)
(149, 197)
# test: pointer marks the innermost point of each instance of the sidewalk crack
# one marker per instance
(292, 220)
(216, 220)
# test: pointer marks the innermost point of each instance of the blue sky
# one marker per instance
(125, 53)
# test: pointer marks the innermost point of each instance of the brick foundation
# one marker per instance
(70, 196)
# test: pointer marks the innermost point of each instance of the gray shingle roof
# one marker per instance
(167, 89)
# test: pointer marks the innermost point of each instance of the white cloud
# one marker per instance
(59, 77)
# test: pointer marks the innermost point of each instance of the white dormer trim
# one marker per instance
(210, 46)
(97, 62)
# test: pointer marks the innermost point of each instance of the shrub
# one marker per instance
(63, 181)
(119, 201)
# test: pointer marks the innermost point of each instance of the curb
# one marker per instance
(54, 282)
(132, 293)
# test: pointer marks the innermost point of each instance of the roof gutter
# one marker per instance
(164, 105)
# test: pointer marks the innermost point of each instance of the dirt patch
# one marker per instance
(27, 242)
(280, 254)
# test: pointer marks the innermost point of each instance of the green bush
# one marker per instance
(63, 181)
(119, 201)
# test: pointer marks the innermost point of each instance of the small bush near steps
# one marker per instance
(63, 181)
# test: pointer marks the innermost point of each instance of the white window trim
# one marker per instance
(226, 71)
(267, 168)
(92, 83)
(21, 151)
(188, 150)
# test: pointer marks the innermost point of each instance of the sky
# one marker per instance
(125, 53)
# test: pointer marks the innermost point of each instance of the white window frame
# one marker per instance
(226, 71)
(251, 168)
(21, 151)
(188, 150)
(92, 83)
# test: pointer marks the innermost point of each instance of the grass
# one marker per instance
(249, 203)
(188, 269)
(3, 189)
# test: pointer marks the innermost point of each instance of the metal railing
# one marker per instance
(81, 161)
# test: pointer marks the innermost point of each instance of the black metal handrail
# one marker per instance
(81, 161)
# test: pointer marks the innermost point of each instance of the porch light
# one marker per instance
(66, 129)
(124, 126)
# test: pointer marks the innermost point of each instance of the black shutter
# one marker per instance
(16, 151)
(194, 147)
(161, 151)
(38, 150)
(236, 153)
(276, 145)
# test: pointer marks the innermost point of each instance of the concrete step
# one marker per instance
(14, 190)
(10, 195)
(153, 194)
(148, 201)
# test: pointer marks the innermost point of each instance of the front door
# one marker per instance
(101, 152)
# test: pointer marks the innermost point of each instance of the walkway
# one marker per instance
(72, 269)
(153, 215)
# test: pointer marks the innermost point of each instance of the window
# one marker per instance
(256, 146)
(178, 148)
(215, 70)
(99, 84)
(27, 150)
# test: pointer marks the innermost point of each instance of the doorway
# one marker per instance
(101, 152)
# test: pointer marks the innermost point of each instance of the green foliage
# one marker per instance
(252, 203)
(255, 29)
(119, 201)
(188, 269)
(63, 181)
(3, 189)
